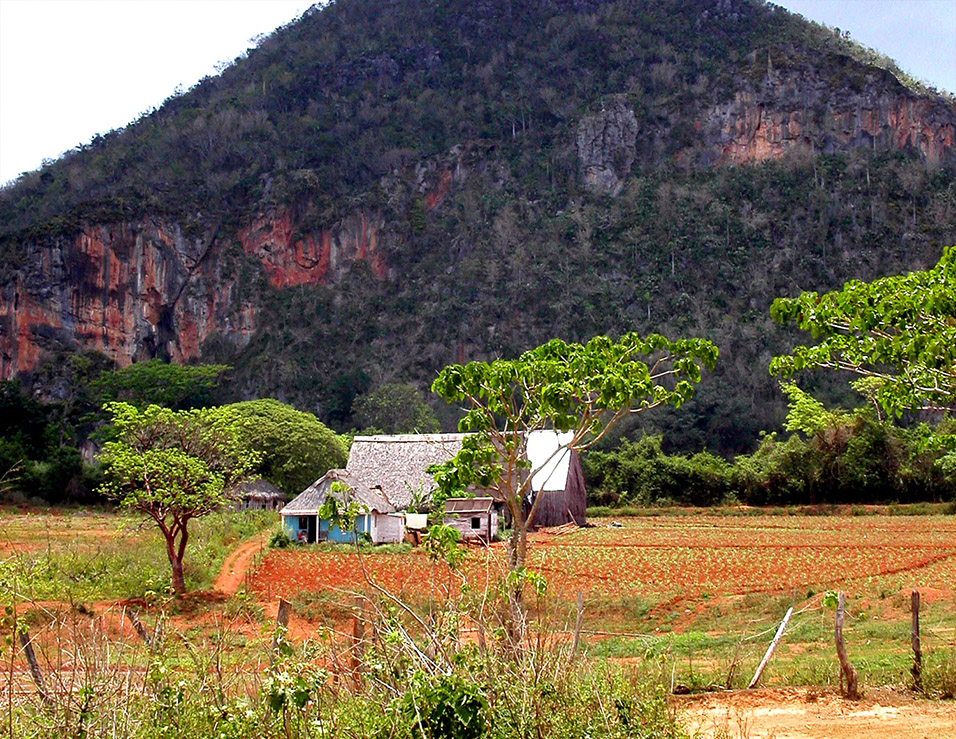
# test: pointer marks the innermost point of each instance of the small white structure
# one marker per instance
(476, 519)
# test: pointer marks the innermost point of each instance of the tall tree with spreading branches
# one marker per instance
(173, 466)
(899, 330)
(580, 389)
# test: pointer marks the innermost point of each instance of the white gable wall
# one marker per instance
(543, 452)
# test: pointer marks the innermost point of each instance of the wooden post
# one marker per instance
(140, 629)
(282, 624)
(846, 669)
(577, 623)
(773, 645)
(914, 639)
(35, 673)
(358, 638)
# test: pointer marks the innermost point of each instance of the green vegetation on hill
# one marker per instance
(363, 106)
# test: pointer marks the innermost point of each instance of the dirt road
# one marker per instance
(234, 568)
(809, 713)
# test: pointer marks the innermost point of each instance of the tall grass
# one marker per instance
(112, 556)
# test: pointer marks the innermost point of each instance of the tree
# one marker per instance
(394, 409)
(900, 330)
(295, 447)
(167, 384)
(173, 466)
(581, 389)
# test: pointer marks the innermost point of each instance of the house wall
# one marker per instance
(381, 528)
(387, 529)
(487, 525)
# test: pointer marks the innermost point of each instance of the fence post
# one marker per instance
(577, 623)
(282, 625)
(35, 673)
(914, 639)
(358, 639)
(846, 669)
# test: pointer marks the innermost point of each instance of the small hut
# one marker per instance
(259, 495)
(476, 519)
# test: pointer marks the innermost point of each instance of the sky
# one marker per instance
(70, 69)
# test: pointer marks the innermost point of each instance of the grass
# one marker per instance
(76, 555)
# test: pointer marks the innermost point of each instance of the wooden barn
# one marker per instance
(557, 477)
(476, 519)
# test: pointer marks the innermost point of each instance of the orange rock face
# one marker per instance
(792, 112)
(138, 290)
(292, 258)
(130, 290)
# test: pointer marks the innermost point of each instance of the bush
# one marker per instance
(280, 540)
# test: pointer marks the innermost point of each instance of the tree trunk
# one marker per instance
(174, 553)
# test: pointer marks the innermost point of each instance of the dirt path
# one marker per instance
(234, 568)
(807, 713)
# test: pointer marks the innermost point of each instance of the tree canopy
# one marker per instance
(582, 389)
(295, 447)
(163, 383)
(173, 466)
(394, 408)
(900, 330)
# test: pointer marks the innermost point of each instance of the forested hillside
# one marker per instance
(384, 187)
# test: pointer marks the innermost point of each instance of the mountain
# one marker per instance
(386, 186)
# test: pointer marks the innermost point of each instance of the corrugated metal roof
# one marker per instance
(469, 505)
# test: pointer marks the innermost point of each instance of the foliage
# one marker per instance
(441, 542)
(37, 460)
(161, 383)
(640, 473)
(581, 389)
(295, 448)
(173, 466)
(900, 330)
(445, 706)
(394, 409)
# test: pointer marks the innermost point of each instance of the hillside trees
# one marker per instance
(582, 389)
(394, 408)
(173, 466)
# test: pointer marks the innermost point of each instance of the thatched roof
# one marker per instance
(308, 502)
(395, 465)
(259, 489)
(468, 506)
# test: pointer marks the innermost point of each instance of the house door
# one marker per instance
(310, 533)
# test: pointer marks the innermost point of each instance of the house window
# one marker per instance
(476, 522)
(303, 522)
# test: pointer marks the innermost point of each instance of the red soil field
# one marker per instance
(663, 557)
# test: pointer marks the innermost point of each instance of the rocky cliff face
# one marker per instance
(139, 290)
(799, 109)
(130, 290)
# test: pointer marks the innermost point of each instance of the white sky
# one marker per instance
(70, 69)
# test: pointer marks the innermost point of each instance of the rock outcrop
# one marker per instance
(607, 146)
